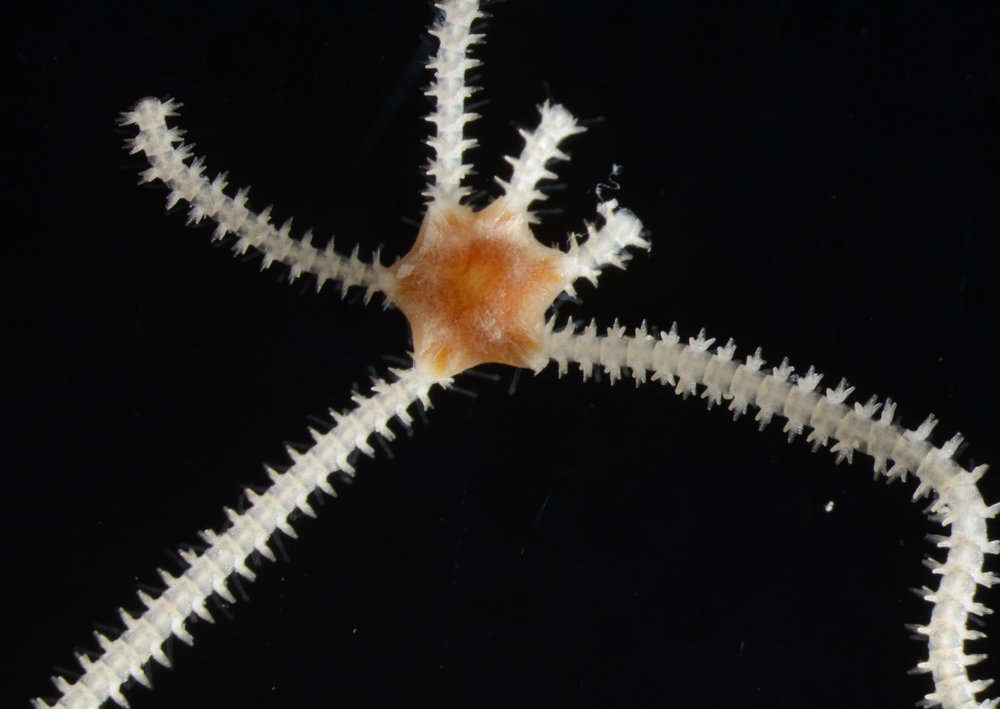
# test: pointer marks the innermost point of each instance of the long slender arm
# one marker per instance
(693, 367)
(449, 91)
(168, 160)
(228, 550)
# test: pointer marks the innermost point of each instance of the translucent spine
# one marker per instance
(692, 367)
(228, 550)
(168, 162)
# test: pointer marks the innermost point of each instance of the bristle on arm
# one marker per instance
(168, 162)
(541, 146)
(449, 91)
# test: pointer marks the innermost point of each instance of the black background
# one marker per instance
(821, 182)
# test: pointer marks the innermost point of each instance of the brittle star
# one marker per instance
(687, 366)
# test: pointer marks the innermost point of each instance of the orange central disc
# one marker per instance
(475, 287)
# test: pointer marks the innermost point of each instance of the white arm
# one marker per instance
(449, 91)
(541, 146)
(210, 570)
(168, 163)
(693, 367)
(606, 246)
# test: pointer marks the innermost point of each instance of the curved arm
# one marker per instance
(692, 368)
(207, 198)
(227, 551)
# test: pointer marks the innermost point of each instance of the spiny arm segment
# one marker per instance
(227, 551)
(693, 366)
(168, 157)
(449, 91)
(541, 146)
(604, 246)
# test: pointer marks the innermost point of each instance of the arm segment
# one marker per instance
(207, 199)
(693, 367)
(541, 146)
(604, 246)
(227, 552)
(449, 91)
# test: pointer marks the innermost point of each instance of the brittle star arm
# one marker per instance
(541, 147)
(227, 551)
(446, 169)
(604, 246)
(692, 367)
(168, 160)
